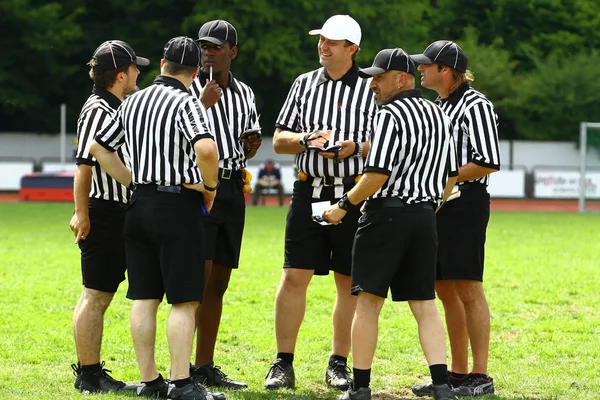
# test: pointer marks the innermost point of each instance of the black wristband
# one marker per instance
(211, 189)
(356, 148)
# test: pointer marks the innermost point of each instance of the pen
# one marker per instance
(210, 73)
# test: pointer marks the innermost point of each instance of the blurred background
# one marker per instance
(537, 60)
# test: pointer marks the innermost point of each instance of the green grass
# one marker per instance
(541, 283)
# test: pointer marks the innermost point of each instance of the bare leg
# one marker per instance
(180, 335)
(75, 319)
(456, 323)
(209, 314)
(345, 305)
(143, 333)
(88, 324)
(431, 330)
(364, 329)
(290, 305)
(478, 321)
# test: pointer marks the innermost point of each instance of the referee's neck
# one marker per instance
(337, 72)
(184, 79)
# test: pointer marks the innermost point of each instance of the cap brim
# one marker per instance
(421, 59)
(142, 61)
(212, 40)
(368, 72)
(315, 32)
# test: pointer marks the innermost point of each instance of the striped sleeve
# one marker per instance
(112, 135)
(289, 115)
(385, 144)
(191, 121)
(482, 126)
(88, 125)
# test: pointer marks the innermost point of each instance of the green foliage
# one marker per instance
(540, 285)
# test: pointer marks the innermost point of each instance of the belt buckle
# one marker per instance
(328, 181)
(226, 173)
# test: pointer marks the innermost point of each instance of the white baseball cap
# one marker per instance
(340, 27)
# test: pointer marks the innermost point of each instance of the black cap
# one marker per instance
(389, 60)
(114, 54)
(182, 50)
(444, 52)
(218, 32)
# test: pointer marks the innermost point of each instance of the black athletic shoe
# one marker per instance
(476, 385)
(192, 391)
(423, 389)
(157, 391)
(77, 372)
(281, 375)
(214, 377)
(362, 393)
(443, 392)
(100, 381)
(338, 375)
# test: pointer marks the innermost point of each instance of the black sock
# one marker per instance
(287, 358)
(362, 378)
(90, 369)
(334, 357)
(210, 365)
(439, 374)
(155, 381)
(456, 379)
(181, 382)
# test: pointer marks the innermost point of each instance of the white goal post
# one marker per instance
(583, 129)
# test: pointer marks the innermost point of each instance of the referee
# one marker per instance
(99, 212)
(231, 111)
(406, 174)
(174, 171)
(328, 106)
(462, 223)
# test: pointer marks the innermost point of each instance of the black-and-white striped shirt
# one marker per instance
(412, 143)
(160, 125)
(474, 128)
(344, 106)
(234, 113)
(95, 115)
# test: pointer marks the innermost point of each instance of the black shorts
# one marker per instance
(309, 245)
(462, 225)
(164, 238)
(225, 224)
(395, 248)
(103, 250)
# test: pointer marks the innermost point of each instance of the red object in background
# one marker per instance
(43, 186)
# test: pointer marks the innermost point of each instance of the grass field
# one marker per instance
(541, 281)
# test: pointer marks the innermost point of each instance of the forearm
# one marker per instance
(111, 163)
(366, 148)
(207, 159)
(286, 142)
(472, 171)
(370, 183)
(82, 184)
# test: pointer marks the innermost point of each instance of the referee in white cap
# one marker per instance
(462, 223)
(411, 168)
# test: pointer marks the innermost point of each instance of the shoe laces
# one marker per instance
(220, 373)
(277, 371)
(340, 369)
(104, 372)
(76, 369)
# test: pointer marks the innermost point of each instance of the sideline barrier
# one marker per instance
(508, 183)
(40, 186)
(11, 173)
(563, 183)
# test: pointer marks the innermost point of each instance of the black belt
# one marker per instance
(153, 187)
(470, 185)
(388, 202)
(228, 173)
(330, 180)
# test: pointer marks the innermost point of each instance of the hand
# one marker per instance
(211, 93)
(209, 196)
(346, 151)
(334, 214)
(80, 225)
(253, 142)
(318, 138)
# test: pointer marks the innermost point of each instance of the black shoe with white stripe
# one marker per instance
(213, 376)
(476, 385)
(444, 392)
(99, 381)
(157, 391)
(338, 375)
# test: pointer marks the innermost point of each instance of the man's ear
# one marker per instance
(234, 51)
(162, 62)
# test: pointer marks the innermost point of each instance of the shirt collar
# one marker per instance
(455, 96)
(203, 76)
(408, 94)
(169, 81)
(350, 78)
(107, 96)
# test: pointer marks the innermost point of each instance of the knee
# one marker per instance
(469, 291)
(219, 287)
(294, 279)
(446, 291)
(97, 299)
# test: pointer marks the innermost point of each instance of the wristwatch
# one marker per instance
(344, 203)
(303, 142)
(212, 189)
